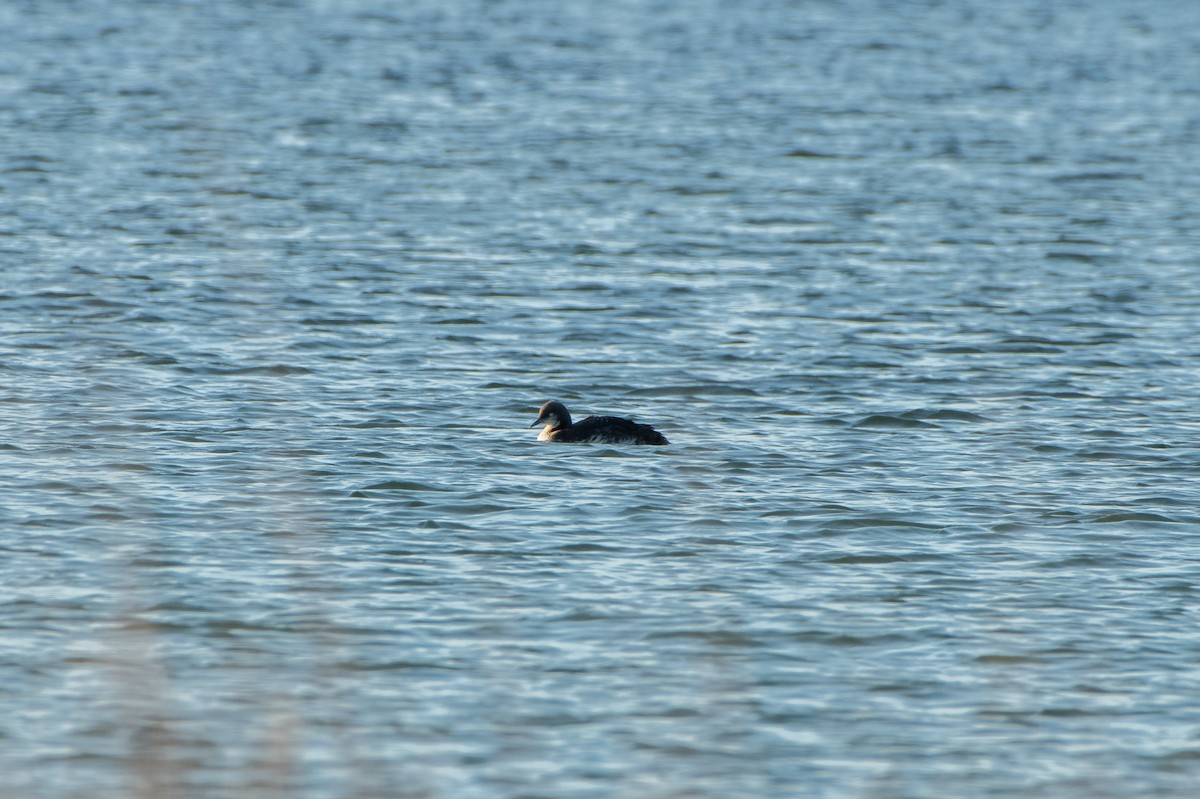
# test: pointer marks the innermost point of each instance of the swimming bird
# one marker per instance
(592, 430)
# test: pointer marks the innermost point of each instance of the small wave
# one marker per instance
(1094, 176)
(403, 485)
(944, 414)
(1132, 516)
(887, 422)
(716, 389)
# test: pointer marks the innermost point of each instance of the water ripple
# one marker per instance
(910, 289)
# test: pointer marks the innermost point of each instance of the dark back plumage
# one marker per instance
(593, 429)
(609, 430)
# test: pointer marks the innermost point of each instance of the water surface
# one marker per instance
(912, 290)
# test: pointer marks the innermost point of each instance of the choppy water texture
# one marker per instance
(912, 289)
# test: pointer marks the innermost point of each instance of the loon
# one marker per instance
(592, 430)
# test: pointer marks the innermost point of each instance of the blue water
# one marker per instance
(912, 289)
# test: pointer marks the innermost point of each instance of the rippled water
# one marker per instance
(912, 289)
